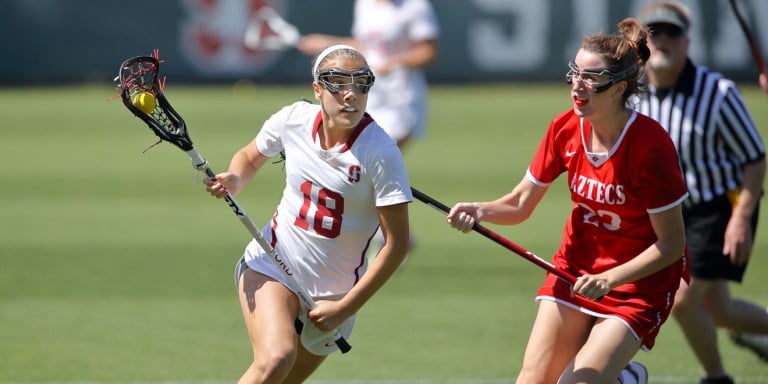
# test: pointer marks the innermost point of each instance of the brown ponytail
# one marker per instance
(624, 53)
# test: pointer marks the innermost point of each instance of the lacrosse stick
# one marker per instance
(283, 34)
(750, 39)
(506, 243)
(498, 239)
(141, 74)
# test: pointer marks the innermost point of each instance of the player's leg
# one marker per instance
(609, 348)
(558, 333)
(734, 313)
(747, 321)
(306, 363)
(315, 345)
(269, 310)
(705, 225)
(698, 326)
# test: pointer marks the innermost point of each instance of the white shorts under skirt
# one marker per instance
(315, 341)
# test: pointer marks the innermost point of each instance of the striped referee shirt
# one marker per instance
(712, 130)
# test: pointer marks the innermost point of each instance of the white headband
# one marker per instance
(327, 52)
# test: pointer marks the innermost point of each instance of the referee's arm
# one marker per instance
(751, 189)
(739, 239)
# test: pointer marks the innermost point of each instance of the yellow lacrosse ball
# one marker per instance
(144, 101)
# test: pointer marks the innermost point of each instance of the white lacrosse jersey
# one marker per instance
(398, 99)
(327, 214)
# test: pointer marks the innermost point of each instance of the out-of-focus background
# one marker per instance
(55, 41)
(115, 265)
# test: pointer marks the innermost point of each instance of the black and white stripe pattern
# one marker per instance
(711, 128)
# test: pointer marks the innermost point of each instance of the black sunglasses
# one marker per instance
(666, 29)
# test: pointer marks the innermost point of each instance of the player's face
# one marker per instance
(343, 92)
(588, 73)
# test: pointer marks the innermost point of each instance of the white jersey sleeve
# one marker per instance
(269, 141)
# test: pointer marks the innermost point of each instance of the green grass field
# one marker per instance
(115, 265)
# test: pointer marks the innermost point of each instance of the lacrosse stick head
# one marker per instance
(142, 74)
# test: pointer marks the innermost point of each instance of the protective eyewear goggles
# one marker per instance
(334, 79)
(598, 79)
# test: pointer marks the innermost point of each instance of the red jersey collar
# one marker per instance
(367, 119)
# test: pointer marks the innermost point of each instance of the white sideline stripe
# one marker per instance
(653, 379)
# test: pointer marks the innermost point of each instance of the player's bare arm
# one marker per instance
(422, 54)
(242, 168)
(512, 208)
(670, 247)
(394, 224)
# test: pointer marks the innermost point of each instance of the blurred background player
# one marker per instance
(333, 153)
(624, 237)
(399, 39)
(723, 160)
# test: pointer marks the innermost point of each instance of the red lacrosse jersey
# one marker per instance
(613, 194)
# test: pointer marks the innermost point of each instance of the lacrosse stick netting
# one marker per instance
(141, 74)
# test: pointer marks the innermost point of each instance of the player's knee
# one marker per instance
(275, 364)
(281, 359)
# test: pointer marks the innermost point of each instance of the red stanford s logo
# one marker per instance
(354, 173)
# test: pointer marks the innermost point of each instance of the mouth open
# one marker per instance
(580, 102)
